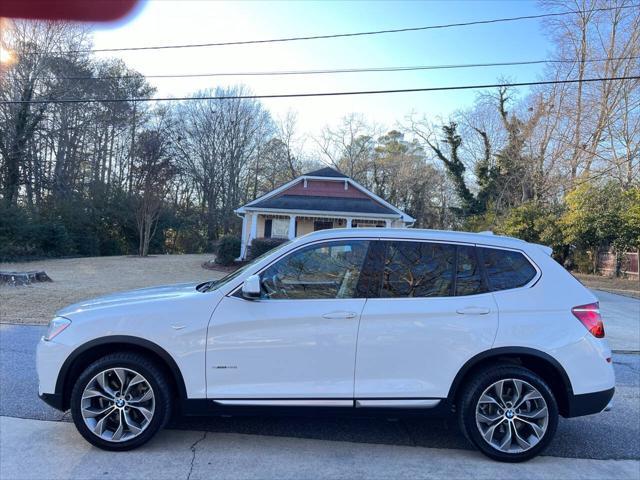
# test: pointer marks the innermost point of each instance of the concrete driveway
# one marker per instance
(62, 454)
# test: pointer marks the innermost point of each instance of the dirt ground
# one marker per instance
(623, 286)
(81, 278)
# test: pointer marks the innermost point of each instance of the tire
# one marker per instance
(485, 423)
(134, 415)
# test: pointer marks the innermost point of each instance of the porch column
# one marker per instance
(349, 220)
(243, 240)
(387, 223)
(292, 227)
(254, 227)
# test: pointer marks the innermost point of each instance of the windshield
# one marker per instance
(215, 284)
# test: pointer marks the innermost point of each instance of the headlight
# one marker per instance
(56, 326)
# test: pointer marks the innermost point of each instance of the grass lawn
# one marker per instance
(622, 286)
(77, 279)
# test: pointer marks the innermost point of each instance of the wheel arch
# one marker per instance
(537, 361)
(94, 349)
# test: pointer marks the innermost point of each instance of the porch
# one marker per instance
(289, 226)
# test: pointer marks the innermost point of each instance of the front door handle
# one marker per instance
(334, 315)
(473, 311)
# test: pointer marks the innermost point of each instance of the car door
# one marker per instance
(432, 313)
(298, 340)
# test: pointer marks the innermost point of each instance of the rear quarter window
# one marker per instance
(506, 269)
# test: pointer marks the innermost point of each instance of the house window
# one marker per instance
(322, 225)
(280, 228)
(363, 223)
(267, 228)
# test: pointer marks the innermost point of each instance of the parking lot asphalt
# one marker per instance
(611, 435)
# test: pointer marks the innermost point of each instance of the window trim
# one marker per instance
(236, 292)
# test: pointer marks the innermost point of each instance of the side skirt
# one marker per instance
(429, 407)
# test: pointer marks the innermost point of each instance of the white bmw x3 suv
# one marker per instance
(388, 321)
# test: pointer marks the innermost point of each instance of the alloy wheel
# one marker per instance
(512, 415)
(117, 404)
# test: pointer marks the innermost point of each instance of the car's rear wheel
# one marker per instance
(509, 413)
(120, 401)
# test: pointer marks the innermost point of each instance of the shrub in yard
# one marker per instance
(260, 246)
(227, 250)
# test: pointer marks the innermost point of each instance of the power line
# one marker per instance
(348, 70)
(316, 94)
(351, 34)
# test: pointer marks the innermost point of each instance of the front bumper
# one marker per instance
(50, 356)
(590, 403)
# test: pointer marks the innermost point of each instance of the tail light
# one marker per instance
(589, 316)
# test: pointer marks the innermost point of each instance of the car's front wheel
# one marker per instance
(509, 413)
(120, 401)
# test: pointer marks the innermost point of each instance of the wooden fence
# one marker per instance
(628, 263)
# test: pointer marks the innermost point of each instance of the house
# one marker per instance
(318, 200)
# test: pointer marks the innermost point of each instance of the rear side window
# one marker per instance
(468, 275)
(417, 269)
(506, 269)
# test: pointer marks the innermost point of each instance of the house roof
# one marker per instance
(317, 203)
(278, 199)
(326, 172)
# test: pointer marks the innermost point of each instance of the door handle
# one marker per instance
(473, 311)
(334, 315)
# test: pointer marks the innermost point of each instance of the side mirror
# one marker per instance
(251, 288)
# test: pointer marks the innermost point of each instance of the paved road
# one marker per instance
(621, 316)
(612, 435)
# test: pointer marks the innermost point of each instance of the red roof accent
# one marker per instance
(324, 188)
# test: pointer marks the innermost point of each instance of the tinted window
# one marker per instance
(468, 276)
(506, 269)
(417, 269)
(328, 270)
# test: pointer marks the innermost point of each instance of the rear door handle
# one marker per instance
(473, 311)
(334, 315)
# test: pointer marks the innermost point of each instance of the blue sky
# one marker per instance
(172, 22)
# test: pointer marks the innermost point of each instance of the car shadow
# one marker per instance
(406, 431)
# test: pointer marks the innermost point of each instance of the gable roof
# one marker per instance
(326, 172)
(379, 206)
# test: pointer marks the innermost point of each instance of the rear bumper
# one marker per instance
(589, 403)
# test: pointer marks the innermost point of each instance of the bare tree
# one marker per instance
(348, 146)
(217, 142)
(35, 46)
(153, 171)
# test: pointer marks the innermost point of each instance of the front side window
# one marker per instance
(417, 269)
(326, 270)
(506, 269)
